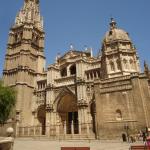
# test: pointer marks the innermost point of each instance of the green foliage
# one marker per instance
(7, 102)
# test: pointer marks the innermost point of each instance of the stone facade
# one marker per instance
(79, 96)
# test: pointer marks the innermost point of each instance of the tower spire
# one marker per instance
(30, 13)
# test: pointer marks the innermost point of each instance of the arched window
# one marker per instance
(91, 75)
(73, 70)
(118, 115)
(63, 72)
(98, 72)
(131, 64)
(125, 64)
(112, 66)
(118, 64)
(87, 76)
(95, 75)
(16, 37)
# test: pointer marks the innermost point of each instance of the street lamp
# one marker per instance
(126, 127)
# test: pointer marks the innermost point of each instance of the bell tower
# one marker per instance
(24, 60)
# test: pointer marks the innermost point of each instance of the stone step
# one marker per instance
(61, 137)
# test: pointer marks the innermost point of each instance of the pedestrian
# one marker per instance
(144, 136)
(132, 139)
(148, 142)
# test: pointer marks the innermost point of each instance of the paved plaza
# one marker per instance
(30, 144)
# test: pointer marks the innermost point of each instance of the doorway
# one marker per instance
(124, 137)
(68, 112)
(93, 113)
(41, 115)
(73, 118)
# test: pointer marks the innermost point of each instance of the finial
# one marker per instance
(85, 47)
(71, 47)
(91, 50)
(146, 68)
(113, 24)
(145, 63)
(57, 57)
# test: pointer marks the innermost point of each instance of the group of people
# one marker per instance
(144, 136)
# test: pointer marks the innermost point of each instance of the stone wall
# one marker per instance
(122, 106)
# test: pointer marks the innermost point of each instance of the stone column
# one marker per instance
(87, 127)
(83, 115)
(34, 133)
(17, 129)
(49, 119)
(65, 129)
(57, 129)
(72, 128)
(23, 132)
(79, 120)
(40, 130)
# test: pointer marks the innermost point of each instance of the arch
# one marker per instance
(73, 70)
(67, 103)
(132, 64)
(95, 74)
(88, 76)
(125, 63)
(112, 66)
(124, 137)
(65, 90)
(41, 115)
(63, 72)
(91, 75)
(118, 64)
(118, 115)
(68, 112)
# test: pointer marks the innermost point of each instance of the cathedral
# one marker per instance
(79, 96)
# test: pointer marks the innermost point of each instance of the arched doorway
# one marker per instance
(93, 113)
(41, 115)
(124, 137)
(68, 112)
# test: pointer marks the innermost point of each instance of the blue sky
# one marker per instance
(82, 22)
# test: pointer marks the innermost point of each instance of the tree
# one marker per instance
(7, 102)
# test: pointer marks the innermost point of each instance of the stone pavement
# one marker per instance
(30, 144)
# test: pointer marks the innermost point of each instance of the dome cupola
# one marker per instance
(119, 56)
(116, 34)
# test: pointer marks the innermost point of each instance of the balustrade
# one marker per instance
(56, 131)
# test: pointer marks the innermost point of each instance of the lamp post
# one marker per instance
(126, 127)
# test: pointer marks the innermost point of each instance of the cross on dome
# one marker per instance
(113, 24)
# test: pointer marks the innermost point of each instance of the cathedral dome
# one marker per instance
(115, 34)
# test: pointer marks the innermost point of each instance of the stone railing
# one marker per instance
(65, 81)
(56, 131)
(6, 143)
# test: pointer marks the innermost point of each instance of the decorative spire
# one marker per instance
(71, 47)
(30, 13)
(113, 24)
(91, 50)
(57, 57)
(85, 48)
(146, 68)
